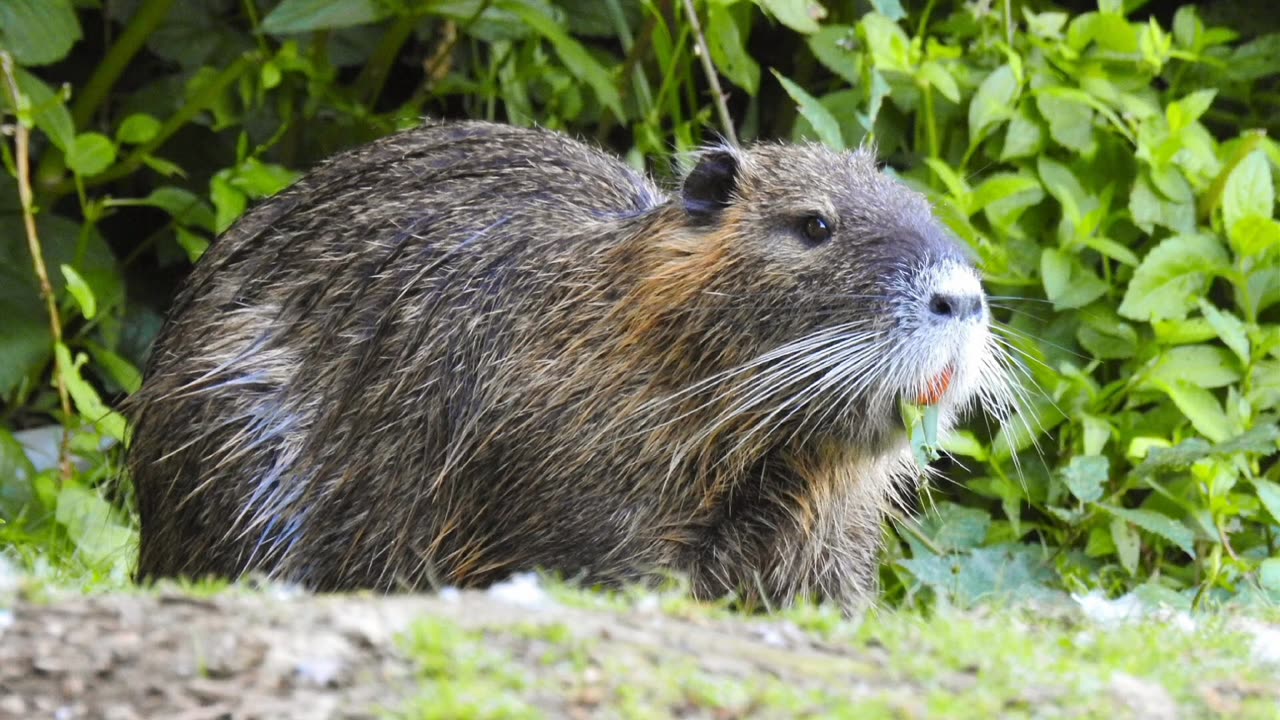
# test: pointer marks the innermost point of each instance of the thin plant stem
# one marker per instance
(712, 79)
(22, 160)
(148, 16)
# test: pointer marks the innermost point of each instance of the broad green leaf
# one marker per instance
(956, 185)
(993, 103)
(1269, 494)
(1229, 328)
(1127, 544)
(1106, 336)
(138, 128)
(48, 111)
(964, 442)
(799, 15)
(81, 291)
(38, 32)
(1070, 121)
(1024, 136)
(1065, 188)
(1068, 283)
(891, 9)
(833, 46)
(1011, 570)
(1249, 190)
(728, 49)
(1157, 524)
(823, 122)
(90, 154)
(16, 475)
(1172, 277)
(101, 539)
(184, 206)
(1000, 186)
(1254, 235)
(192, 243)
(1269, 576)
(119, 370)
(955, 527)
(1149, 207)
(1200, 407)
(581, 63)
(890, 47)
(940, 79)
(1085, 475)
(1184, 112)
(1206, 366)
(298, 16)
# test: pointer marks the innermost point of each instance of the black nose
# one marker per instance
(955, 307)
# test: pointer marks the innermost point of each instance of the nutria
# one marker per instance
(471, 349)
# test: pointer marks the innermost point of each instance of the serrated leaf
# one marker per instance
(1184, 112)
(1206, 366)
(90, 153)
(1085, 475)
(999, 187)
(1230, 329)
(81, 291)
(1200, 407)
(956, 527)
(1254, 235)
(1157, 524)
(101, 540)
(1007, 570)
(823, 122)
(1249, 190)
(298, 16)
(728, 49)
(1070, 121)
(1024, 137)
(138, 128)
(38, 32)
(1172, 277)
(1269, 495)
(993, 102)
(799, 15)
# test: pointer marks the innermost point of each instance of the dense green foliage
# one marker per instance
(1113, 168)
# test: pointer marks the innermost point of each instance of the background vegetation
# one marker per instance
(1112, 165)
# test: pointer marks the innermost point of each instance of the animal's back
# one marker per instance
(338, 351)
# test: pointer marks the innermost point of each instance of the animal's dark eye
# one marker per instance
(816, 229)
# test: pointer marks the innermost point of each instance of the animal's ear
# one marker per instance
(710, 185)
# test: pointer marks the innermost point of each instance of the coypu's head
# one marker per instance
(855, 292)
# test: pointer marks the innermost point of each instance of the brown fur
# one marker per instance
(471, 349)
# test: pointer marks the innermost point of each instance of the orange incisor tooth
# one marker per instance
(932, 395)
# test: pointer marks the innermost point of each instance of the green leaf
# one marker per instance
(1106, 336)
(1230, 329)
(298, 16)
(1249, 190)
(823, 122)
(1254, 235)
(1024, 136)
(1172, 277)
(833, 47)
(799, 15)
(993, 103)
(1157, 524)
(1127, 544)
(1206, 366)
(81, 291)
(184, 206)
(1070, 121)
(90, 521)
(1182, 113)
(38, 32)
(16, 476)
(1068, 283)
(729, 51)
(1001, 186)
(955, 527)
(87, 401)
(940, 79)
(581, 63)
(1269, 494)
(1269, 575)
(138, 128)
(90, 154)
(1148, 207)
(48, 111)
(192, 243)
(1200, 407)
(889, 45)
(1085, 475)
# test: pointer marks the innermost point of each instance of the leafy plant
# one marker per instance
(1112, 167)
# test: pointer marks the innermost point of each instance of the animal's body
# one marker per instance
(470, 349)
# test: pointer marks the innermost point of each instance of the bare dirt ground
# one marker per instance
(256, 655)
(121, 657)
